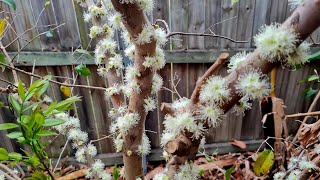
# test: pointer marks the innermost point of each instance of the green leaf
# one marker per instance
(6, 126)
(10, 3)
(39, 119)
(15, 104)
(21, 91)
(310, 92)
(49, 34)
(37, 175)
(83, 51)
(3, 61)
(82, 70)
(14, 135)
(115, 173)
(229, 172)
(15, 156)
(53, 122)
(200, 172)
(47, 4)
(263, 163)
(3, 154)
(63, 105)
(314, 56)
(313, 77)
(46, 133)
(49, 109)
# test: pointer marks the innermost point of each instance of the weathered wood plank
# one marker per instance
(44, 17)
(278, 11)
(261, 16)
(245, 22)
(196, 20)
(69, 33)
(24, 20)
(179, 22)
(229, 14)
(212, 18)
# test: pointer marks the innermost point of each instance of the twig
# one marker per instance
(105, 137)
(33, 68)
(205, 35)
(9, 171)
(6, 175)
(57, 163)
(218, 23)
(10, 83)
(52, 81)
(33, 40)
(216, 66)
(313, 104)
(15, 76)
(303, 114)
(165, 23)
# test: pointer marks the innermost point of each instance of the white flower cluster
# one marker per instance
(97, 169)
(237, 60)
(215, 91)
(277, 43)
(145, 147)
(161, 176)
(120, 127)
(253, 85)
(187, 172)
(2, 177)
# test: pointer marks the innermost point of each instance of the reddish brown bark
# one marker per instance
(304, 20)
(134, 20)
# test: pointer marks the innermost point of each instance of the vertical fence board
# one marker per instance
(69, 33)
(212, 18)
(229, 15)
(196, 23)
(179, 22)
(10, 32)
(24, 20)
(46, 17)
(245, 22)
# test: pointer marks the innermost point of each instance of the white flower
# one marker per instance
(95, 31)
(145, 147)
(108, 31)
(161, 176)
(15, 171)
(293, 161)
(198, 131)
(274, 42)
(88, 173)
(97, 11)
(102, 71)
(237, 60)
(180, 103)
(105, 45)
(118, 143)
(160, 36)
(111, 91)
(160, 61)
(305, 164)
(166, 137)
(145, 35)
(81, 155)
(146, 5)
(47, 99)
(97, 166)
(149, 61)
(295, 3)
(87, 17)
(317, 150)
(215, 90)
(116, 62)
(129, 120)
(182, 121)
(300, 55)
(131, 73)
(157, 83)
(91, 150)
(116, 20)
(242, 106)
(187, 172)
(253, 84)
(211, 113)
(79, 137)
(104, 175)
(202, 143)
(130, 51)
(294, 175)
(149, 104)
(279, 175)
(2, 177)
(126, 37)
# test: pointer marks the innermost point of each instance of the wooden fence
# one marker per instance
(188, 58)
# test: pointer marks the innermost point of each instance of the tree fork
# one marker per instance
(304, 20)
